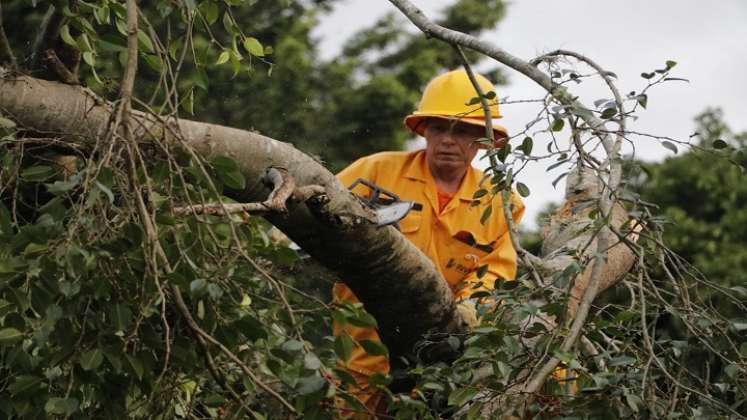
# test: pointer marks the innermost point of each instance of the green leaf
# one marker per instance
(482, 270)
(486, 214)
(362, 319)
(374, 348)
(37, 173)
(254, 47)
(379, 380)
(621, 361)
(144, 42)
(642, 99)
(719, 144)
(669, 145)
(479, 193)
(198, 287)
(460, 396)
(105, 190)
(121, 317)
(503, 152)
(61, 406)
(344, 347)
(223, 57)
(474, 101)
(522, 189)
(153, 61)
(210, 11)
(6, 123)
(89, 59)
(435, 386)
(66, 37)
(648, 75)
(136, 364)
(84, 44)
(731, 370)
(557, 124)
(609, 113)
(229, 173)
(311, 361)
(526, 146)
(188, 104)
(61, 187)
(24, 383)
(670, 64)
(310, 384)
(739, 324)
(251, 328)
(292, 346)
(10, 336)
(91, 359)
(229, 25)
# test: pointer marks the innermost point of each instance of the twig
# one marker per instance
(283, 188)
(528, 259)
(56, 65)
(128, 78)
(49, 31)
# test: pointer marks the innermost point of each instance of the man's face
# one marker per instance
(451, 145)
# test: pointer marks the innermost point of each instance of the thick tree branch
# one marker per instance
(378, 263)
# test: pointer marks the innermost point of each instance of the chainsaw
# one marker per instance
(387, 206)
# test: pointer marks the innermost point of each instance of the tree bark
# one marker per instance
(398, 284)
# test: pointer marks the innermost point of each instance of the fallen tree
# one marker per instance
(588, 245)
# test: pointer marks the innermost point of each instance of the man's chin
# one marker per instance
(449, 164)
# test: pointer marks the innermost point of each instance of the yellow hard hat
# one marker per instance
(448, 96)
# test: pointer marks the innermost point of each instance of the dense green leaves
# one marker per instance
(10, 336)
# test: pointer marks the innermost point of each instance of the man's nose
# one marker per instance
(447, 138)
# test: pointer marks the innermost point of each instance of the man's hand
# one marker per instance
(467, 310)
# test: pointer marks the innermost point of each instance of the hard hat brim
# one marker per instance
(415, 122)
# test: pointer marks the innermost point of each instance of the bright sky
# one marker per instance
(707, 40)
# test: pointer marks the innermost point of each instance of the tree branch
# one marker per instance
(283, 189)
(378, 263)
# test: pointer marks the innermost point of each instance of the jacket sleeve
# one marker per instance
(501, 262)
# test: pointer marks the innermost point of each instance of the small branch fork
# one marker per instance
(283, 189)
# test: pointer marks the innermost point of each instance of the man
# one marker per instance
(445, 225)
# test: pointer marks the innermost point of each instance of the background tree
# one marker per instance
(703, 196)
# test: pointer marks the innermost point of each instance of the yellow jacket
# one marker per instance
(453, 239)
